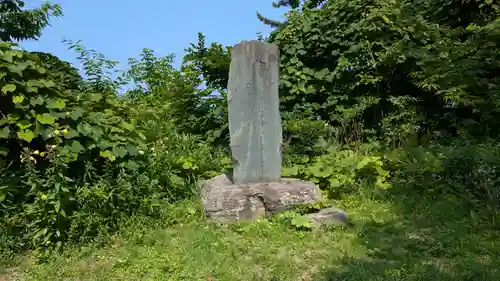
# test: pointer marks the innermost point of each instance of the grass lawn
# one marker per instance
(403, 239)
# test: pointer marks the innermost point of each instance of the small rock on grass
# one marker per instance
(329, 216)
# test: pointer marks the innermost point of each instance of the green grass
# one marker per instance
(399, 239)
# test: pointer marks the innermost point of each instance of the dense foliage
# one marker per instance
(374, 94)
(17, 23)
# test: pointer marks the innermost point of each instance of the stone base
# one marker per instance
(225, 202)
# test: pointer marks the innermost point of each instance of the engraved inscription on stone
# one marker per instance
(254, 118)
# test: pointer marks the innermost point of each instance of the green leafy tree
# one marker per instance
(456, 13)
(212, 62)
(101, 74)
(18, 24)
(211, 65)
(389, 67)
(292, 4)
(171, 94)
(61, 72)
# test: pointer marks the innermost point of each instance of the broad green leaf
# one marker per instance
(117, 138)
(362, 163)
(45, 118)
(76, 147)
(291, 70)
(132, 150)
(47, 133)
(84, 128)
(187, 165)
(22, 65)
(119, 151)
(26, 135)
(60, 104)
(103, 144)
(24, 124)
(31, 89)
(127, 126)
(58, 209)
(293, 171)
(16, 69)
(132, 165)
(8, 88)
(4, 132)
(95, 97)
(322, 73)
(302, 221)
(116, 129)
(71, 134)
(55, 104)
(34, 83)
(7, 56)
(59, 115)
(176, 179)
(76, 113)
(97, 133)
(18, 99)
(37, 101)
(108, 154)
(46, 83)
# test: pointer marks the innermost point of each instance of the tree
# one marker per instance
(394, 68)
(18, 24)
(211, 62)
(61, 72)
(292, 4)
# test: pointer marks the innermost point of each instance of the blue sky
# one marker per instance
(122, 28)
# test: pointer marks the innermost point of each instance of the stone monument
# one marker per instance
(255, 187)
(254, 118)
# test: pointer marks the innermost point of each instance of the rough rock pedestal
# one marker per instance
(225, 201)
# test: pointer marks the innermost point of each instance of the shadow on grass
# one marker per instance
(428, 239)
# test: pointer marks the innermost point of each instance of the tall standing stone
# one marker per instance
(256, 188)
(254, 118)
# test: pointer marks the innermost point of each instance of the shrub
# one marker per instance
(179, 160)
(302, 137)
(55, 144)
(469, 171)
(73, 167)
(342, 171)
